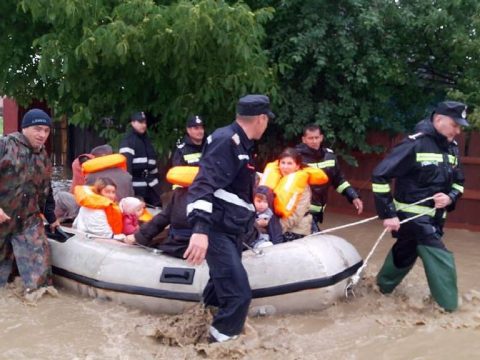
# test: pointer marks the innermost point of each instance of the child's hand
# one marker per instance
(262, 222)
(130, 239)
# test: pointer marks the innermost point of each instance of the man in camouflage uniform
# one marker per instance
(25, 193)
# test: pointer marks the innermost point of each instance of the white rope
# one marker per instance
(326, 231)
(354, 279)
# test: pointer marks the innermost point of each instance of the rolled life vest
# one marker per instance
(182, 175)
(288, 189)
(84, 196)
(104, 162)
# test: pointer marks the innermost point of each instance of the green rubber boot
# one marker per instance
(390, 276)
(441, 275)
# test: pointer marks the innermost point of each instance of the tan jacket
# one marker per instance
(298, 222)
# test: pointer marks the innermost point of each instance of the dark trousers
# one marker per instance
(228, 287)
(438, 262)
(151, 195)
(404, 250)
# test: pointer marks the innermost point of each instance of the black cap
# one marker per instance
(194, 120)
(138, 116)
(251, 105)
(454, 109)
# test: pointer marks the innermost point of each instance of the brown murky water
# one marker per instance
(404, 325)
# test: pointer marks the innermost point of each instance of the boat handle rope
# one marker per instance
(364, 221)
(257, 252)
(147, 248)
(354, 279)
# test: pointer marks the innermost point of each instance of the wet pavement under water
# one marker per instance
(404, 325)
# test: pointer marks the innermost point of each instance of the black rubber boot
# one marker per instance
(390, 276)
(441, 274)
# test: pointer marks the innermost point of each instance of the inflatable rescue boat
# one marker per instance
(302, 275)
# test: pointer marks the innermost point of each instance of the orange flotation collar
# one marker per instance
(182, 175)
(288, 189)
(84, 196)
(104, 162)
(146, 216)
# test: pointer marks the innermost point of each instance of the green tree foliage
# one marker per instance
(348, 65)
(105, 58)
(355, 65)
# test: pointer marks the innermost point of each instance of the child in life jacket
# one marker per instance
(99, 214)
(266, 222)
(132, 208)
(299, 223)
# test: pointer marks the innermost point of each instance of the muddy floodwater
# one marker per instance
(404, 325)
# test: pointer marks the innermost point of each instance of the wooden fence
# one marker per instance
(465, 214)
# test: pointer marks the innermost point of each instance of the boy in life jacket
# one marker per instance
(132, 208)
(266, 222)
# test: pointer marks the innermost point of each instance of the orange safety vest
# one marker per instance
(182, 175)
(288, 189)
(104, 162)
(84, 196)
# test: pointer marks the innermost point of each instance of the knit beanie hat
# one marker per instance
(36, 117)
(129, 205)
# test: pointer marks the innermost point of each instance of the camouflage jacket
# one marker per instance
(25, 176)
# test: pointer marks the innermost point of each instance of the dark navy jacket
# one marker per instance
(221, 195)
(326, 160)
(141, 159)
(187, 153)
(423, 164)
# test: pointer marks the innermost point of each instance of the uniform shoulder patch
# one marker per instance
(329, 150)
(455, 142)
(209, 139)
(416, 136)
(181, 145)
(236, 139)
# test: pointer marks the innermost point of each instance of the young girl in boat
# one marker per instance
(267, 224)
(299, 221)
(132, 208)
(99, 214)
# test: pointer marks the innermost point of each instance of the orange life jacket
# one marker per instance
(182, 175)
(146, 216)
(288, 189)
(104, 162)
(84, 196)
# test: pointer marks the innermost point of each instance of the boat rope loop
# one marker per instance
(354, 279)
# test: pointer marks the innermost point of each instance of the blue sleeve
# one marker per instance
(396, 164)
(219, 166)
(127, 150)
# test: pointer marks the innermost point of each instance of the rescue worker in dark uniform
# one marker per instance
(141, 160)
(26, 193)
(424, 165)
(221, 211)
(314, 154)
(189, 151)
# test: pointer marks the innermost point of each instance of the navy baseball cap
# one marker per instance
(454, 109)
(195, 120)
(254, 104)
(138, 116)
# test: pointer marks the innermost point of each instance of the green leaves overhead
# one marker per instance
(108, 58)
(349, 65)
